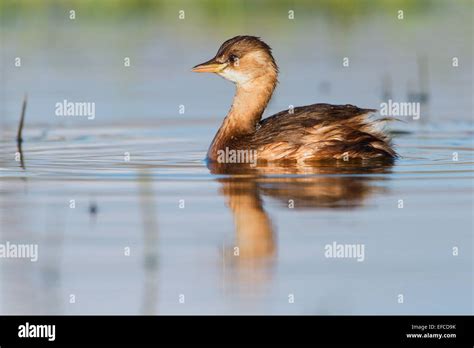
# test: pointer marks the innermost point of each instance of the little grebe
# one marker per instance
(306, 133)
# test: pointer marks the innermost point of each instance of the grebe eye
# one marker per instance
(233, 58)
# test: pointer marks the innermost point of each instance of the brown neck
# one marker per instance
(249, 103)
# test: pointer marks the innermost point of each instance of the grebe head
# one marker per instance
(241, 60)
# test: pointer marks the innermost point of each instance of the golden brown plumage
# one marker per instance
(307, 133)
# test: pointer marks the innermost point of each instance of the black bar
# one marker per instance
(136, 330)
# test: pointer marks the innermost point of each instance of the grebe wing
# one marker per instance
(310, 116)
(321, 130)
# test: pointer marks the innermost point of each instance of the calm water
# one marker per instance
(181, 220)
(176, 249)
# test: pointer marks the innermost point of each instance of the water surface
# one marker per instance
(182, 224)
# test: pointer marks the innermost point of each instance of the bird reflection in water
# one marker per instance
(332, 185)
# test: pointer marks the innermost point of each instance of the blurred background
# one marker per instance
(83, 59)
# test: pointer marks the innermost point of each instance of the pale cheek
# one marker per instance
(234, 76)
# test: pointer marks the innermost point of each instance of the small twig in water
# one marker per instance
(19, 138)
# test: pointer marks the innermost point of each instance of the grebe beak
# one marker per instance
(211, 66)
